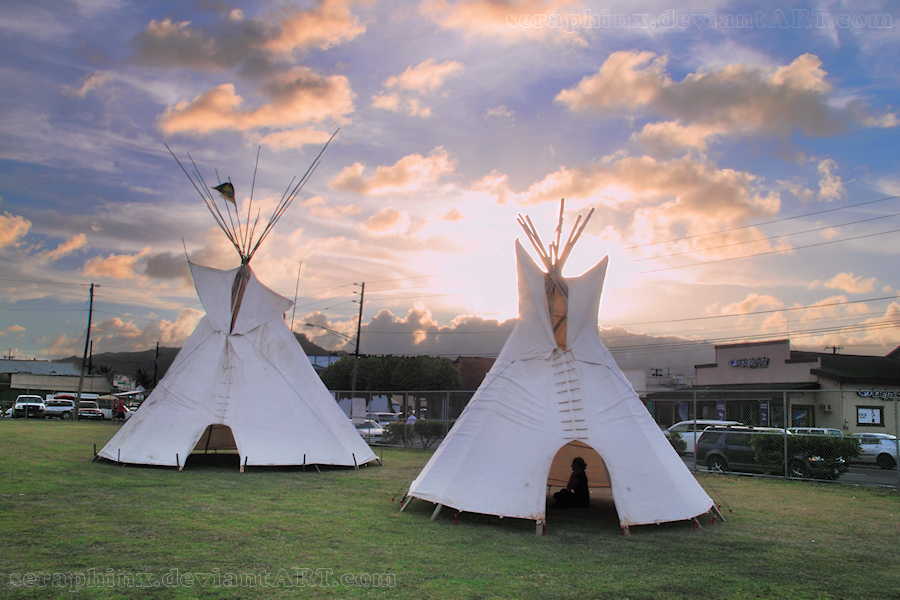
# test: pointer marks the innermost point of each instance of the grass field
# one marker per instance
(105, 531)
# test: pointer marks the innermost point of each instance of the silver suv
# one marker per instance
(691, 430)
(877, 449)
(58, 409)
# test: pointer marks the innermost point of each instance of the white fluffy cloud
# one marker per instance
(411, 173)
(296, 97)
(729, 100)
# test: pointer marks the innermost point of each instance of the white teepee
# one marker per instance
(555, 392)
(241, 382)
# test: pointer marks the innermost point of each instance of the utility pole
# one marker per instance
(834, 349)
(362, 294)
(156, 365)
(84, 358)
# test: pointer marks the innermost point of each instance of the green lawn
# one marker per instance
(210, 532)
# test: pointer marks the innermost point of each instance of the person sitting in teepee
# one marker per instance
(576, 493)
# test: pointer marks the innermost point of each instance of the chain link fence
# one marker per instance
(828, 435)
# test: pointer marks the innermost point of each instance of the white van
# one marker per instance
(691, 430)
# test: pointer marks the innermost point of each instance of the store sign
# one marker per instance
(753, 363)
(883, 394)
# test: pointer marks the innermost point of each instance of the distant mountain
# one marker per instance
(128, 363)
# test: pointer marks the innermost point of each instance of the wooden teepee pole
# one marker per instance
(554, 283)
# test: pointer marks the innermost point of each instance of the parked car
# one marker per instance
(58, 408)
(88, 409)
(30, 407)
(730, 449)
(691, 430)
(370, 430)
(384, 417)
(877, 449)
(815, 431)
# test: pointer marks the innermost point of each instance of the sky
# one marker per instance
(740, 159)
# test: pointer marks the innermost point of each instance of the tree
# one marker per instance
(393, 373)
(425, 373)
(143, 378)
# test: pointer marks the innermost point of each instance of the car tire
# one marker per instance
(717, 464)
(886, 461)
(798, 469)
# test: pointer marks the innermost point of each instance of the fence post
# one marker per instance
(897, 440)
(694, 433)
(787, 416)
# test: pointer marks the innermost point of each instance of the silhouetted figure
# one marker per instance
(576, 494)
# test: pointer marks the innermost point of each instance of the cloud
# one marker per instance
(177, 45)
(167, 266)
(847, 282)
(409, 174)
(404, 92)
(250, 43)
(115, 266)
(298, 96)
(70, 246)
(499, 112)
(453, 215)
(88, 83)
(508, 20)
(728, 100)
(13, 229)
(831, 187)
(658, 200)
(419, 332)
(753, 302)
(426, 77)
(320, 207)
(294, 139)
(328, 24)
(387, 220)
(667, 138)
(123, 334)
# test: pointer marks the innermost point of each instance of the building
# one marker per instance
(758, 383)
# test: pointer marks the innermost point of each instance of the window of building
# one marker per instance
(869, 416)
(801, 415)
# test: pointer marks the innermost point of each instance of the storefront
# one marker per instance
(760, 383)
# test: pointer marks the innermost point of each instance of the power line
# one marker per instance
(708, 262)
(812, 214)
(758, 312)
(765, 239)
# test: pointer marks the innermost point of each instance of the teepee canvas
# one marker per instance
(554, 393)
(241, 382)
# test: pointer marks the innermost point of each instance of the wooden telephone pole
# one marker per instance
(84, 358)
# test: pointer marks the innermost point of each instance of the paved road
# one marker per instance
(859, 475)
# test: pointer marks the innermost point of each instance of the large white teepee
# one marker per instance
(241, 382)
(555, 392)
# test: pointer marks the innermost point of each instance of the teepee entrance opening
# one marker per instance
(602, 505)
(561, 467)
(216, 438)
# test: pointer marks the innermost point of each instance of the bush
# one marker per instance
(677, 442)
(429, 431)
(395, 433)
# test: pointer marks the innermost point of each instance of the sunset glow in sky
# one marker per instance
(741, 158)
